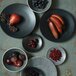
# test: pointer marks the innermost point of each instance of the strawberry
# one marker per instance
(57, 24)
(18, 63)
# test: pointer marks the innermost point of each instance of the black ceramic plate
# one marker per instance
(39, 42)
(69, 24)
(28, 23)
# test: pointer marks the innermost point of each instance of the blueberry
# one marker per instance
(39, 4)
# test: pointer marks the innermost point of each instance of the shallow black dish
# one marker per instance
(26, 26)
(32, 71)
(38, 39)
(69, 24)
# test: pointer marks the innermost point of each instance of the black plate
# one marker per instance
(32, 37)
(69, 23)
(25, 27)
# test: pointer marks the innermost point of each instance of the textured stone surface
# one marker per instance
(70, 46)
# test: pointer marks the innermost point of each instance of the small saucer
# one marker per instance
(63, 57)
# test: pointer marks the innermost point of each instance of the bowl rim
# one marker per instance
(23, 66)
(39, 11)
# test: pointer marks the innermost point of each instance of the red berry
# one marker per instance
(22, 57)
(15, 53)
(33, 46)
(14, 19)
(32, 43)
(18, 63)
(13, 59)
(55, 54)
(8, 61)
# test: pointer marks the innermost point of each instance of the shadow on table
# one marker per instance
(75, 26)
(58, 71)
(37, 23)
(55, 3)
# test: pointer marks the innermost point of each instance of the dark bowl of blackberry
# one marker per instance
(39, 6)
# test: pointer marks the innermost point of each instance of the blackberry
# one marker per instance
(39, 4)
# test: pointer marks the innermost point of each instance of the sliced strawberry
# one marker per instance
(57, 24)
(53, 30)
(58, 17)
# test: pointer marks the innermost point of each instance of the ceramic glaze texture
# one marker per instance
(7, 42)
